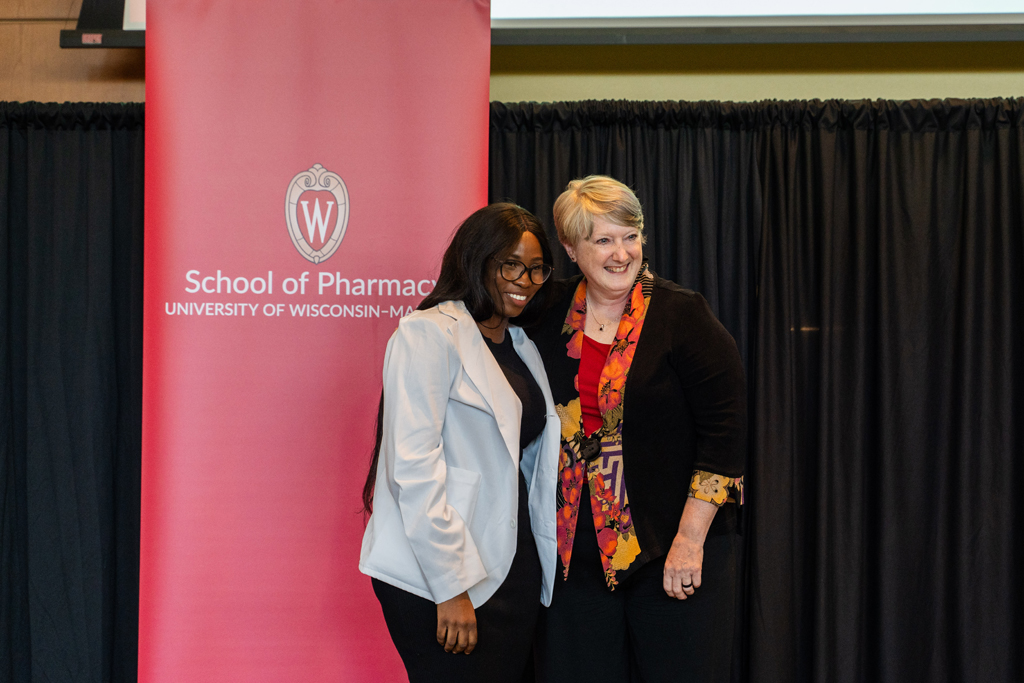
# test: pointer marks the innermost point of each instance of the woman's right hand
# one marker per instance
(456, 624)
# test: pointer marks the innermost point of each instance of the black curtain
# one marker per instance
(867, 256)
(71, 200)
(888, 392)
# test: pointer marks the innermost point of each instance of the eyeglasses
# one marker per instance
(512, 270)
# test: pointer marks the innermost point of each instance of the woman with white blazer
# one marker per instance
(461, 540)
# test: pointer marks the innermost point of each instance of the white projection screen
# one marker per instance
(134, 15)
(901, 11)
(654, 21)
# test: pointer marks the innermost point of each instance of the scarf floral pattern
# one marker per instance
(613, 523)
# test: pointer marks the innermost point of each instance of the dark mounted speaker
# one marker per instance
(101, 23)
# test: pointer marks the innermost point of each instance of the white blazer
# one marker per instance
(446, 499)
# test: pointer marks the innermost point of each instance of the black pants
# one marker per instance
(505, 623)
(637, 633)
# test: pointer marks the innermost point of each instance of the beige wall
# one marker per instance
(744, 73)
(34, 67)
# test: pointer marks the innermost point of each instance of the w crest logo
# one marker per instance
(316, 210)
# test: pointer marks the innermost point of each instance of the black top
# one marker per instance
(684, 406)
(523, 383)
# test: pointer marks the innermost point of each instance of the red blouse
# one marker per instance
(592, 361)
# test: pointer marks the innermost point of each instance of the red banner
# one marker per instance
(305, 165)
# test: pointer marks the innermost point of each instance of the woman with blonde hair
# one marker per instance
(649, 389)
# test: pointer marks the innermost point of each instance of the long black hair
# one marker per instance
(490, 233)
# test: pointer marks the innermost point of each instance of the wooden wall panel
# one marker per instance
(41, 9)
(33, 67)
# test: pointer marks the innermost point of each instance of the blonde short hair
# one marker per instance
(596, 196)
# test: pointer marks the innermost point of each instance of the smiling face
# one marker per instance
(510, 298)
(610, 258)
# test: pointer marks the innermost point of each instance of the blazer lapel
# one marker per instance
(486, 374)
(528, 352)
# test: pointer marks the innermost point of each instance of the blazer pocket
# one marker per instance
(462, 488)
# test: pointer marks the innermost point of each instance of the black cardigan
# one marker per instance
(684, 404)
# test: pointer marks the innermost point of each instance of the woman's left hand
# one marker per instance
(682, 567)
(685, 557)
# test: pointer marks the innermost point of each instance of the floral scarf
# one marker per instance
(616, 537)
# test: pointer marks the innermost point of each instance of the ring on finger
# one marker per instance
(687, 585)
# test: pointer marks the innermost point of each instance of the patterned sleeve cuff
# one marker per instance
(716, 489)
